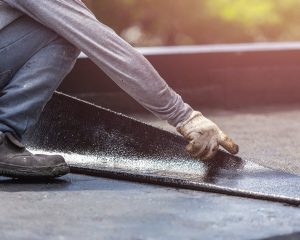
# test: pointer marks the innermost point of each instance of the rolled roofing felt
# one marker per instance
(96, 141)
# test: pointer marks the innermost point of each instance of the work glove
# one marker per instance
(204, 137)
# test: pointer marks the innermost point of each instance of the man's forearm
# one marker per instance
(126, 67)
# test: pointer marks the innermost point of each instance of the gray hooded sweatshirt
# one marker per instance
(72, 20)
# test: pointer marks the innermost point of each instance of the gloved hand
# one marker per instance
(204, 137)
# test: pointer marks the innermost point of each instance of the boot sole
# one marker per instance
(13, 171)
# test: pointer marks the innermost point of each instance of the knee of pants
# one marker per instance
(60, 56)
(67, 50)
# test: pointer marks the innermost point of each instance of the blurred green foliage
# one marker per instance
(177, 22)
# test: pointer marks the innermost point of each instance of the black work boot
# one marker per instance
(17, 162)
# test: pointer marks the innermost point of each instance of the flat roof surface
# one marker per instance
(81, 207)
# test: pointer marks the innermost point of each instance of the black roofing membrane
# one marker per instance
(96, 141)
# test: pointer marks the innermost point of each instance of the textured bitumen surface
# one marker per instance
(78, 207)
(103, 143)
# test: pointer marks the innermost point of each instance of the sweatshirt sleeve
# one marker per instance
(129, 69)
